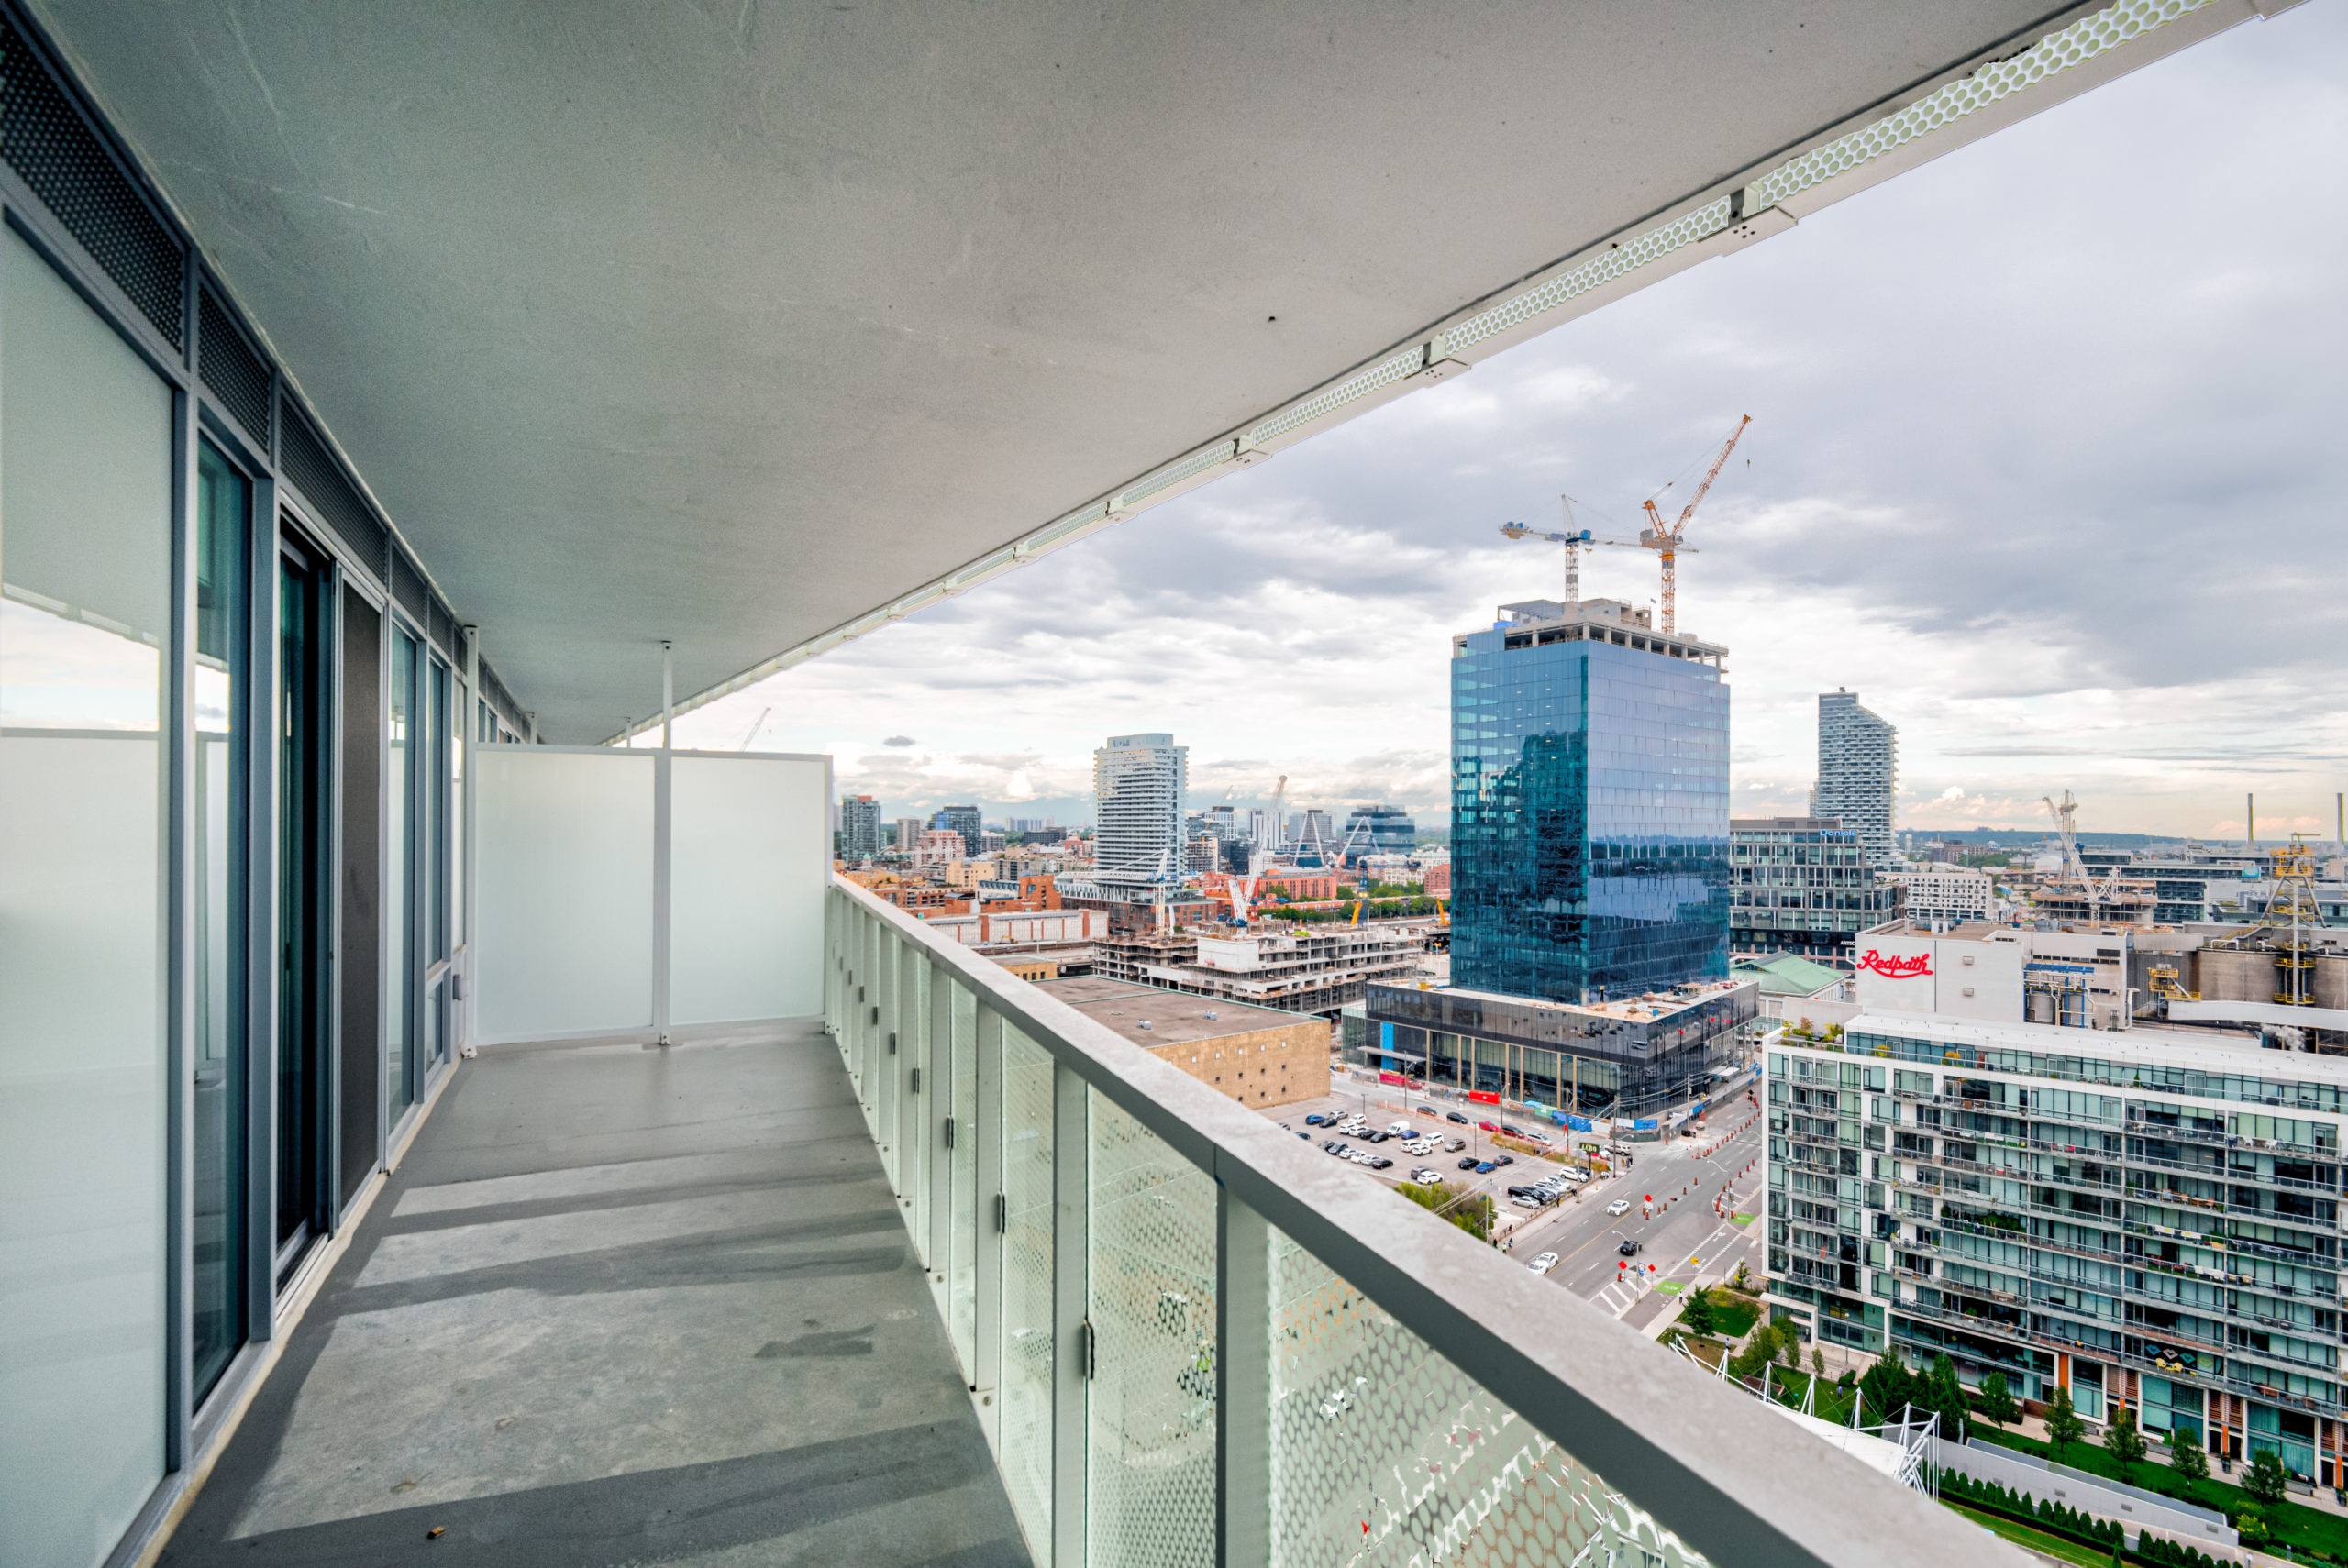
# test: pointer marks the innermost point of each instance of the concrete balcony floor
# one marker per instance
(620, 1305)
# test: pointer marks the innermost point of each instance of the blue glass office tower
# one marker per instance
(1589, 805)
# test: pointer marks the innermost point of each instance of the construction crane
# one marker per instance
(2066, 828)
(756, 725)
(1574, 539)
(1667, 542)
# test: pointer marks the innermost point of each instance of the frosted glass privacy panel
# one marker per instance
(565, 862)
(751, 844)
(85, 539)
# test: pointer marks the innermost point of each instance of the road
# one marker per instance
(1683, 1238)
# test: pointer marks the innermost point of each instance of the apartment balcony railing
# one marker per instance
(1191, 1339)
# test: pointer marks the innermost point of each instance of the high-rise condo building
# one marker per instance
(963, 819)
(1589, 805)
(1858, 773)
(1138, 788)
(909, 832)
(2144, 1218)
(859, 827)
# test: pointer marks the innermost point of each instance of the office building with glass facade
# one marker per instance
(1801, 885)
(2148, 1217)
(1589, 805)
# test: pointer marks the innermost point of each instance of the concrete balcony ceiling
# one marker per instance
(729, 322)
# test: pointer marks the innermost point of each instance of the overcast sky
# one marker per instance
(2044, 464)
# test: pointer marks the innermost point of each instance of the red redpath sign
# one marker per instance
(1482, 1098)
(1394, 1078)
(1895, 966)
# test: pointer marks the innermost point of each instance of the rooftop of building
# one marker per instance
(2193, 1050)
(1653, 1005)
(1550, 620)
(1149, 1016)
(1963, 930)
(1785, 975)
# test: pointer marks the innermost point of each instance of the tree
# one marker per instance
(1946, 1395)
(2186, 1457)
(1759, 1350)
(1886, 1388)
(1742, 1280)
(2124, 1442)
(1701, 1315)
(1817, 1361)
(2267, 1479)
(1996, 1402)
(2063, 1423)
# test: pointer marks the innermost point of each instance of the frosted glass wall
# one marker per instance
(564, 944)
(85, 446)
(751, 849)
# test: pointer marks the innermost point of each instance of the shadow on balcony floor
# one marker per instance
(620, 1306)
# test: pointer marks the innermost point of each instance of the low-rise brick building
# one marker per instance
(1257, 1056)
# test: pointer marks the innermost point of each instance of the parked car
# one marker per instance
(1468, 1162)
(1503, 1159)
(1630, 1247)
(1526, 1203)
(1511, 1132)
(1620, 1207)
(1314, 1119)
(1485, 1167)
(1306, 1136)
(1380, 1163)
(1400, 1129)
(1456, 1144)
(1488, 1126)
(1545, 1262)
(1455, 1116)
(1375, 1137)
(1427, 1110)
(1426, 1177)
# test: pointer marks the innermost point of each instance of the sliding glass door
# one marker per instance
(305, 631)
(219, 1091)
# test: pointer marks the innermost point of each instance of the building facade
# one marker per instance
(859, 827)
(908, 835)
(1589, 805)
(2147, 1218)
(1382, 830)
(1634, 1059)
(1258, 1057)
(963, 819)
(1139, 789)
(1858, 773)
(1801, 885)
(1948, 893)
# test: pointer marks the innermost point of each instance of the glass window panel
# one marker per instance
(85, 497)
(1151, 1302)
(747, 867)
(961, 1267)
(1383, 1451)
(399, 874)
(223, 523)
(1025, 1451)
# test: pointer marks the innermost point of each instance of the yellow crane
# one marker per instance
(1668, 541)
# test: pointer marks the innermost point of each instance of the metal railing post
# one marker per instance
(885, 1058)
(1072, 1343)
(986, 1334)
(1242, 1362)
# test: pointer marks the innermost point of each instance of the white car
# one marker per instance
(1619, 1207)
(1426, 1177)
(1401, 1129)
(1545, 1262)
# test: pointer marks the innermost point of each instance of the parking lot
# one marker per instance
(1687, 1234)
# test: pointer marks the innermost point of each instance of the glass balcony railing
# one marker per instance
(1192, 1339)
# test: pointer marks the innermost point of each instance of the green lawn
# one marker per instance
(1734, 1314)
(2310, 1530)
(2037, 1541)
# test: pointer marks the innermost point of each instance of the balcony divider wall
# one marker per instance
(1191, 1341)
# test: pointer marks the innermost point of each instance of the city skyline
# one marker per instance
(2008, 570)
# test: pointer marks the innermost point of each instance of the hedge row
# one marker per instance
(2059, 1519)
